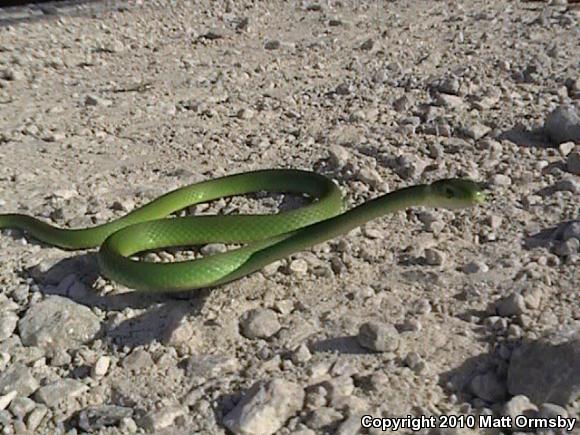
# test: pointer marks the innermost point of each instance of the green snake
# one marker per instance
(266, 238)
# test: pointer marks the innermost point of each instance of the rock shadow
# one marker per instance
(347, 344)
(554, 236)
(520, 135)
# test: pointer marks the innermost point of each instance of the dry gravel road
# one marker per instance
(106, 105)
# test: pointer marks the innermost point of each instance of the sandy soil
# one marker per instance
(424, 313)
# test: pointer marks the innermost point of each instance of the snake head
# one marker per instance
(455, 193)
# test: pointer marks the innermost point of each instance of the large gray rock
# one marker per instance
(545, 372)
(58, 323)
(563, 125)
(265, 408)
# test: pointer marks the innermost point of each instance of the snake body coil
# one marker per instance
(267, 237)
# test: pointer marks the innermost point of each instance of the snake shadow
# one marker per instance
(133, 318)
(524, 137)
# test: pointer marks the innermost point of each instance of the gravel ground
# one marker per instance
(424, 313)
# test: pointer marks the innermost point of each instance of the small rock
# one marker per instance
(272, 268)
(343, 89)
(449, 86)
(272, 45)
(497, 323)
(101, 366)
(18, 378)
(411, 120)
(137, 360)
(563, 125)
(126, 205)
(284, 306)
(409, 167)
(449, 101)
(56, 392)
(128, 425)
(512, 305)
(475, 267)
(94, 100)
(93, 418)
(477, 131)
(213, 35)
(533, 297)
(245, 113)
(519, 405)
(501, 180)
(213, 248)
(486, 102)
(298, 267)
(357, 115)
(401, 104)
(371, 177)
(350, 426)
(164, 418)
(34, 419)
(180, 332)
(323, 417)
(60, 359)
(422, 307)
(368, 44)
(338, 155)
(243, 24)
(54, 137)
(494, 221)
(8, 322)
(339, 386)
(378, 381)
(20, 406)
(566, 148)
(412, 325)
(371, 233)
(11, 74)
(265, 408)
(379, 337)
(259, 323)
(488, 387)
(7, 398)
(301, 354)
(315, 397)
(434, 257)
(210, 366)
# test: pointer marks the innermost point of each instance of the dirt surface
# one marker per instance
(423, 313)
